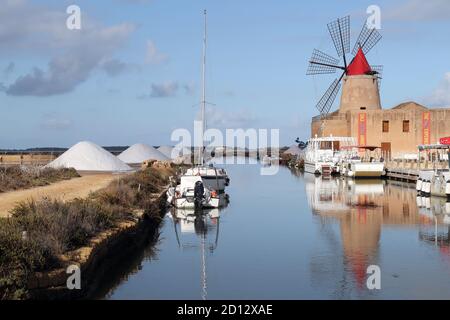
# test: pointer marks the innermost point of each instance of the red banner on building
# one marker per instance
(426, 124)
(445, 141)
(362, 129)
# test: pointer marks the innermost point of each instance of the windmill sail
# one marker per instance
(340, 33)
(322, 63)
(367, 39)
(378, 71)
(327, 100)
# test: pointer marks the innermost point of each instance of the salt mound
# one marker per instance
(294, 150)
(166, 150)
(140, 152)
(87, 156)
(173, 153)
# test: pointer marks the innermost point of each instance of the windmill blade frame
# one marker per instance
(340, 34)
(378, 71)
(367, 39)
(325, 103)
(322, 63)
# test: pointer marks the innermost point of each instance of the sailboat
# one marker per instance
(201, 186)
(214, 178)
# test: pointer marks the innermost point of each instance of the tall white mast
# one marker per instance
(203, 102)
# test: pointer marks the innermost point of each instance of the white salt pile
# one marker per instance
(140, 152)
(294, 150)
(87, 156)
(167, 151)
(174, 153)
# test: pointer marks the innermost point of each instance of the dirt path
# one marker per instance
(64, 190)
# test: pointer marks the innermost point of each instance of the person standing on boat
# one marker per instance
(199, 190)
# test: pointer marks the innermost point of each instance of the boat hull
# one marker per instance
(321, 168)
(432, 184)
(364, 170)
(187, 203)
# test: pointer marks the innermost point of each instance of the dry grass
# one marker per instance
(38, 233)
(17, 177)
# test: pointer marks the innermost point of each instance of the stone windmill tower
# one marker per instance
(359, 80)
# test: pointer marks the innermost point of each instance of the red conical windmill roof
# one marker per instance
(359, 65)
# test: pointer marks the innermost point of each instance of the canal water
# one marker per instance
(295, 236)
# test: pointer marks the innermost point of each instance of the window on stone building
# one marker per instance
(405, 125)
(385, 126)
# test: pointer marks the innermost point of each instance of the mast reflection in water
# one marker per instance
(200, 223)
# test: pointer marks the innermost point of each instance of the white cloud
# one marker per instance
(419, 10)
(74, 54)
(53, 122)
(115, 67)
(221, 119)
(189, 88)
(161, 90)
(153, 55)
(136, 1)
(440, 97)
(9, 69)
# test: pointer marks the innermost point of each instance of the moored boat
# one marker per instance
(192, 193)
(434, 181)
(213, 178)
(323, 155)
(369, 166)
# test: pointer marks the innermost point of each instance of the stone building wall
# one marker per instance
(347, 123)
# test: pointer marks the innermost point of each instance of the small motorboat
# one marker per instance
(192, 192)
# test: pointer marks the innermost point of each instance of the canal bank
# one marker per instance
(98, 260)
(44, 238)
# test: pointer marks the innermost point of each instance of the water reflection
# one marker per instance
(435, 223)
(200, 223)
(276, 241)
(361, 209)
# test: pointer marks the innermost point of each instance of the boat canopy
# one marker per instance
(371, 148)
(434, 147)
(332, 138)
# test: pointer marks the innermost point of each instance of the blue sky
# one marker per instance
(132, 74)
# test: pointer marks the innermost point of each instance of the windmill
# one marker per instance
(323, 63)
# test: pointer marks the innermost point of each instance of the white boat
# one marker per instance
(434, 181)
(213, 178)
(323, 155)
(354, 166)
(191, 193)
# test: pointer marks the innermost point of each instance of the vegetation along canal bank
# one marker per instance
(42, 238)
